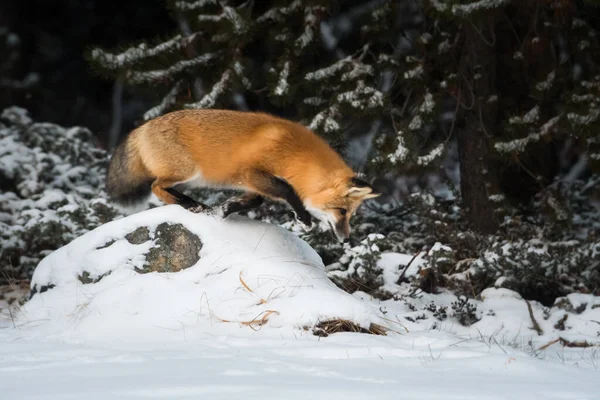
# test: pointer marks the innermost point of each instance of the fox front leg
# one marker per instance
(277, 188)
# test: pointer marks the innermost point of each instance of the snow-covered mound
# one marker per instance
(250, 275)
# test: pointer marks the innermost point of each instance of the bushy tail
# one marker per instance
(127, 182)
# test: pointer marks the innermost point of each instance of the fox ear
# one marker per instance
(361, 189)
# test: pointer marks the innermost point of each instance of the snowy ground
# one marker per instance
(186, 335)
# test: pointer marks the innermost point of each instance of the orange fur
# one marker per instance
(220, 148)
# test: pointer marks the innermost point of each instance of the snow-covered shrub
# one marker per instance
(543, 251)
(50, 190)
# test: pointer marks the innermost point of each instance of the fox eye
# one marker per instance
(343, 211)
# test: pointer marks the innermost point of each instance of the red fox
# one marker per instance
(263, 155)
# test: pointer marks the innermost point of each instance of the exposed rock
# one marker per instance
(139, 236)
(40, 289)
(176, 249)
(86, 278)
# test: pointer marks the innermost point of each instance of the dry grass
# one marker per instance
(336, 325)
(568, 343)
(12, 295)
(322, 329)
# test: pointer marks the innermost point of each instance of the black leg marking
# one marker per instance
(187, 202)
(241, 203)
(276, 187)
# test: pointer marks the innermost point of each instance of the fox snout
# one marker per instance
(342, 230)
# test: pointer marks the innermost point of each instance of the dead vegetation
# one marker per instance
(337, 325)
(569, 343)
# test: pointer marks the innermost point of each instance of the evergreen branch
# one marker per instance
(325, 119)
(465, 10)
(210, 99)
(357, 98)
(198, 4)
(433, 155)
(137, 54)
(228, 14)
(282, 83)
(310, 27)
(401, 153)
(156, 75)
(278, 14)
(518, 145)
(166, 102)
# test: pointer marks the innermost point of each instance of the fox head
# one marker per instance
(336, 204)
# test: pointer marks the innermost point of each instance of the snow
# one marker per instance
(329, 71)
(182, 335)
(326, 119)
(278, 14)
(546, 84)
(416, 72)
(247, 270)
(187, 6)
(343, 367)
(416, 123)
(310, 22)
(434, 154)
(465, 10)
(136, 54)
(282, 83)
(519, 145)
(362, 97)
(401, 152)
(530, 117)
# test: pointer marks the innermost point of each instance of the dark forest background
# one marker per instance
(53, 37)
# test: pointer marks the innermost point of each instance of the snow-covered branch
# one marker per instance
(279, 14)
(329, 71)
(229, 14)
(198, 4)
(282, 83)
(326, 119)
(433, 155)
(464, 10)
(401, 153)
(518, 145)
(529, 118)
(358, 69)
(210, 99)
(166, 102)
(136, 54)
(362, 97)
(310, 27)
(136, 77)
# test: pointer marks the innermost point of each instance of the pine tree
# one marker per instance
(519, 76)
(282, 54)
(392, 83)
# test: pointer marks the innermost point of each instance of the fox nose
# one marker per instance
(347, 240)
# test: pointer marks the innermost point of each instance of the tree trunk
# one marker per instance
(478, 169)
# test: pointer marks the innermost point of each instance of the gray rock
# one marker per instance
(176, 249)
(139, 236)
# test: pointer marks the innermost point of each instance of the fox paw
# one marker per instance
(198, 208)
(305, 221)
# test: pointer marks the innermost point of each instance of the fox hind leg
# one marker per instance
(187, 202)
(164, 191)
